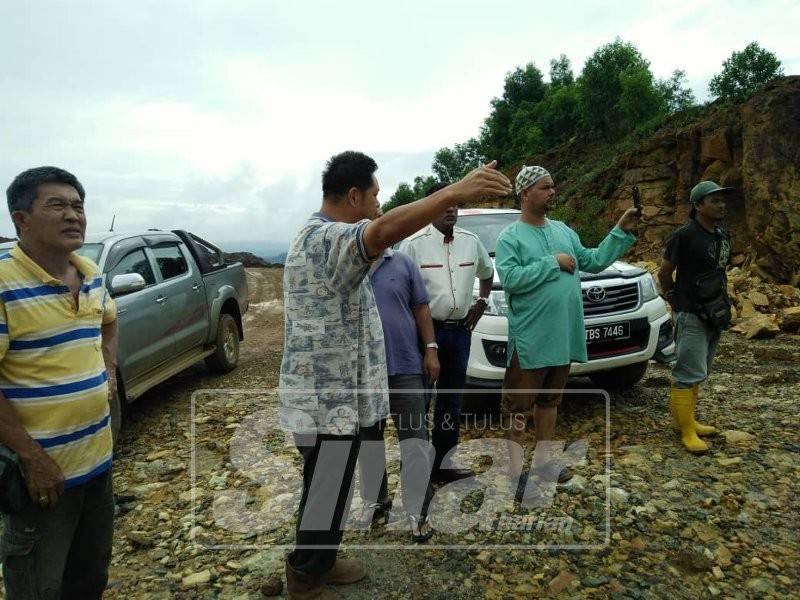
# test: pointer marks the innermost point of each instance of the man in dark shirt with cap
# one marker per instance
(699, 251)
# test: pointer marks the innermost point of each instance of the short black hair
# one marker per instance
(347, 170)
(23, 190)
(432, 189)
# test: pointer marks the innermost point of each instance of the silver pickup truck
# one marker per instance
(178, 302)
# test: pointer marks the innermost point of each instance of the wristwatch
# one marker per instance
(433, 345)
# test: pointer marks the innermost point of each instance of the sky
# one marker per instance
(217, 116)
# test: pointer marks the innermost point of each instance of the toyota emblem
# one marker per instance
(596, 294)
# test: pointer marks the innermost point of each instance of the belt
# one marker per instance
(449, 323)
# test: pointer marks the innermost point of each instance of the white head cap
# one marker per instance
(527, 176)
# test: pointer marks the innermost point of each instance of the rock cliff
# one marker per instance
(753, 147)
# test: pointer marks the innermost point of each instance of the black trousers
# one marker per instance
(329, 462)
(454, 342)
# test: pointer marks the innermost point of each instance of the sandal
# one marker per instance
(369, 512)
(421, 528)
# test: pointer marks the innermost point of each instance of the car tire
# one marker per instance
(226, 355)
(620, 378)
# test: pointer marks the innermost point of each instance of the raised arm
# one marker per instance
(402, 221)
(614, 245)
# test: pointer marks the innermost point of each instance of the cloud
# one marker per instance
(219, 117)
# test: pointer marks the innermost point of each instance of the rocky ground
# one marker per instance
(720, 525)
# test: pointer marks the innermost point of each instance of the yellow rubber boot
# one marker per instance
(702, 430)
(681, 402)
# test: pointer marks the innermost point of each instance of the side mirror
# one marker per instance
(127, 283)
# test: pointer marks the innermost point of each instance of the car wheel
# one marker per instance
(226, 355)
(620, 378)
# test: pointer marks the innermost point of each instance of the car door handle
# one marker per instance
(122, 311)
(161, 299)
(196, 287)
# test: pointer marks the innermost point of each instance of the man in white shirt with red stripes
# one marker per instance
(450, 258)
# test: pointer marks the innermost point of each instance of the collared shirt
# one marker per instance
(449, 269)
(398, 288)
(51, 361)
(333, 374)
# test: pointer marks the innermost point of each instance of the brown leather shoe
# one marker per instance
(347, 570)
(303, 586)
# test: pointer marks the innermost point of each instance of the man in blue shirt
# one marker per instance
(407, 324)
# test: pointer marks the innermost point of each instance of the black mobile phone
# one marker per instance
(637, 199)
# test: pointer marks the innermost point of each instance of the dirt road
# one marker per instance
(720, 525)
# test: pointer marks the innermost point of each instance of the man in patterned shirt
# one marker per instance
(58, 333)
(333, 376)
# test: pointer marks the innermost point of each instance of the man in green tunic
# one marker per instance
(539, 262)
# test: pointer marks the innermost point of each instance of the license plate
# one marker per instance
(608, 332)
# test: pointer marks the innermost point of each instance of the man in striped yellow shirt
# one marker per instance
(58, 338)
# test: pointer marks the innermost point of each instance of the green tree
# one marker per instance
(676, 96)
(559, 113)
(451, 164)
(526, 136)
(561, 72)
(405, 194)
(639, 99)
(745, 72)
(494, 137)
(614, 70)
(522, 85)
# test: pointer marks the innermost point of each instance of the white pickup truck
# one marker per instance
(626, 321)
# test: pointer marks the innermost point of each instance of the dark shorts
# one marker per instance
(525, 388)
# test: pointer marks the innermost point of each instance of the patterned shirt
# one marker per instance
(51, 362)
(333, 375)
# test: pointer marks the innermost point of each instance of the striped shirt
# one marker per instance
(51, 361)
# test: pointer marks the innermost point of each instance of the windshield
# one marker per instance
(487, 226)
(91, 251)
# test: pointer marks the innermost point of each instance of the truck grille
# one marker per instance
(604, 300)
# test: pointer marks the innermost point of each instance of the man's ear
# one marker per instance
(20, 218)
(353, 196)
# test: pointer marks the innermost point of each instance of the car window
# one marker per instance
(133, 262)
(487, 226)
(214, 256)
(170, 260)
(91, 251)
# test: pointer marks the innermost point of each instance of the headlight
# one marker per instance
(497, 304)
(648, 287)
